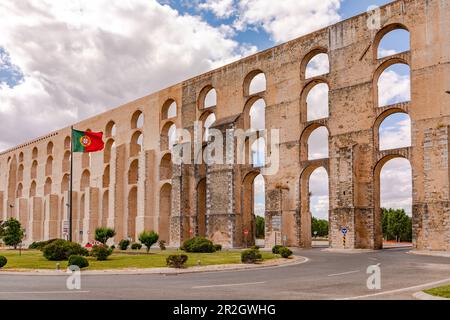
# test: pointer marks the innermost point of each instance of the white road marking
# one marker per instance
(421, 286)
(42, 292)
(343, 273)
(229, 285)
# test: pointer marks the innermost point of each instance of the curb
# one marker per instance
(297, 260)
(425, 296)
(443, 254)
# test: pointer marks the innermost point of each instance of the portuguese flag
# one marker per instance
(87, 141)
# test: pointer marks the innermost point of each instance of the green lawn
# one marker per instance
(33, 259)
(443, 292)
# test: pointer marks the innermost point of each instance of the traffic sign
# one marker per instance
(246, 231)
(344, 231)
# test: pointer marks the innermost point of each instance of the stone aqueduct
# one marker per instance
(134, 185)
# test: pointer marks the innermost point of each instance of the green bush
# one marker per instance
(136, 246)
(60, 250)
(104, 234)
(148, 239)
(218, 247)
(198, 244)
(276, 249)
(176, 260)
(3, 261)
(255, 247)
(123, 244)
(101, 252)
(251, 256)
(162, 245)
(39, 245)
(285, 252)
(79, 261)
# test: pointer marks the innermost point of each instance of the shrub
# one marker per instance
(113, 247)
(251, 256)
(285, 252)
(3, 261)
(101, 252)
(136, 246)
(61, 250)
(176, 260)
(148, 239)
(276, 249)
(123, 244)
(12, 232)
(255, 247)
(198, 244)
(103, 234)
(218, 247)
(162, 245)
(39, 245)
(79, 261)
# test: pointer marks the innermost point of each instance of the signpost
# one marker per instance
(344, 231)
(246, 235)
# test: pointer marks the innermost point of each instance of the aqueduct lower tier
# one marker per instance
(134, 183)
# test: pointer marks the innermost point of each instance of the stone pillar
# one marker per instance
(2, 206)
(22, 216)
(146, 192)
(51, 228)
(118, 180)
(275, 227)
(36, 219)
(91, 209)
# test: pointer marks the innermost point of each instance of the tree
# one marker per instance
(320, 226)
(12, 232)
(104, 234)
(148, 239)
(260, 227)
(397, 225)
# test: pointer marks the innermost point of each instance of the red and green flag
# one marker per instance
(87, 141)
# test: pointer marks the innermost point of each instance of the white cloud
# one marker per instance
(220, 8)
(81, 58)
(318, 188)
(395, 136)
(393, 88)
(318, 144)
(317, 102)
(287, 19)
(396, 185)
(386, 52)
(317, 66)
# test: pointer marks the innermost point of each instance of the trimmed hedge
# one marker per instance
(101, 252)
(276, 249)
(124, 244)
(39, 245)
(251, 256)
(3, 261)
(136, 246)
(285, 252)
(79, 261)
(218, 247)
(176, 260)
(60, 250)
(199, 245)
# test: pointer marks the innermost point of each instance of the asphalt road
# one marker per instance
(327, 275)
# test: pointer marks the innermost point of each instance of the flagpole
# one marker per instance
(70, 183)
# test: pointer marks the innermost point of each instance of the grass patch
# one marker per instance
(33, 259)
(443, 291)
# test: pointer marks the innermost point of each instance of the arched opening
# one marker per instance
(34, 168)
(67, 143)
(394, 84)
(258, 149)
(319, 205)
(209, 121)
(80, 222)
(393, 202)
(165, 168)
(85, 160)
(66, 162)
(391, 40)
(318, 144)
(85, 180)
(49, 166)
(254, 83)
(19, 191)
(20, 173)
(169, 110)
(136, 143)
(48, 187)
(109, 147)
(133, 172)
(207, 98)
(106, 177)
(34, 153)
(165, 205)
(137, 120)
(394, 131)
(105, 208)
(257, 115)
(168, 136)
(318, 65)
(65, 183)
(50, 148)
(317, 101)
(132, 213)
(201, 208)
(21, 157)
(253, 206)
(110, 129)
(33, 189)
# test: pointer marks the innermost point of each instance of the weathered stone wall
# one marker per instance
(353, 166)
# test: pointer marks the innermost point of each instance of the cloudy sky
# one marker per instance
(63, 61)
